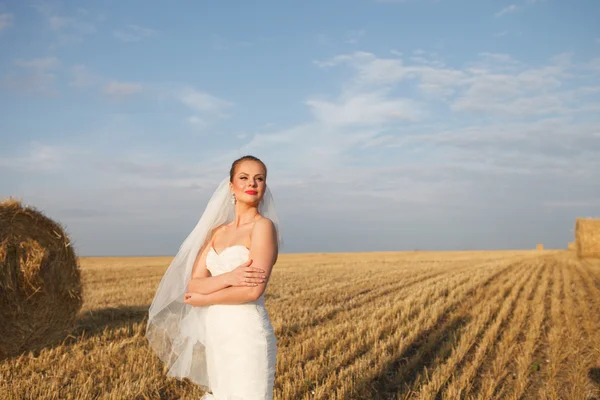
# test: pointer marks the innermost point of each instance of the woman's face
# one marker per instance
(249, 182)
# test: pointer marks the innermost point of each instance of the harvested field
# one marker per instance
(414, 325)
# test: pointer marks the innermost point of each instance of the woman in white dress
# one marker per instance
(208, 321)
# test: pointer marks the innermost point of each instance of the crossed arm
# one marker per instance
(205, 289)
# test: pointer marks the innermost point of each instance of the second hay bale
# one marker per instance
(587, 237)
(40, 282)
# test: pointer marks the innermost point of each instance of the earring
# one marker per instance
(232, 198)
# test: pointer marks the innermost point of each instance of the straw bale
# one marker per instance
(539, 246)
(40, 280)
(571, 246)
(587, 237)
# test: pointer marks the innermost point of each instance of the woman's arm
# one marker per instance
(202, 281)
(263, 253)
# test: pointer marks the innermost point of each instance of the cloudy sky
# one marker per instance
(386, 125)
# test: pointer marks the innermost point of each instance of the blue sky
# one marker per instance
(386, 125)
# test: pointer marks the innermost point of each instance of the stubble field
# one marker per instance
(422, 325)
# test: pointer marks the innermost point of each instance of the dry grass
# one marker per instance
(587, 237)
(40, 281)
(420, 325)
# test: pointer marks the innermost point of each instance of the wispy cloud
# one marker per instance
(38, 63)
(133, 33)
(204, 102)
(507, 10)
(68, 29)
(593, 65)
(6, 20)
(494, 83)
(42, 158)
(122, 89)
(33, 76)
(219, 42)
(197, 122)
(364, 109)
(372, 71)
(82, 77)
(426, 58)
(206, 107)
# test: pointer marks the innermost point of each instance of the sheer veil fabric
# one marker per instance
(177, 331)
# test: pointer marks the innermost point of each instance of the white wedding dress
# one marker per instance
(240, 344)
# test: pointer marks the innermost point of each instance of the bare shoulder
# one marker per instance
(265, 221)
(264, 232)
(264, 226)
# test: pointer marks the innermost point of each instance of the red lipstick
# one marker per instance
(251, 192)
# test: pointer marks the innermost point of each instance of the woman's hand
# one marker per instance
(195, 299)
(245, 275)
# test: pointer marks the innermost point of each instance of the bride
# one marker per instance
(208, 320)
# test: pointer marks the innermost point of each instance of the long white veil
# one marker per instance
(175, 330)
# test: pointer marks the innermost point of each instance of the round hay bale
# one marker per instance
(587, 237)
(40, 280)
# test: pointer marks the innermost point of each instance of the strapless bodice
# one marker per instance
(227, 260)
